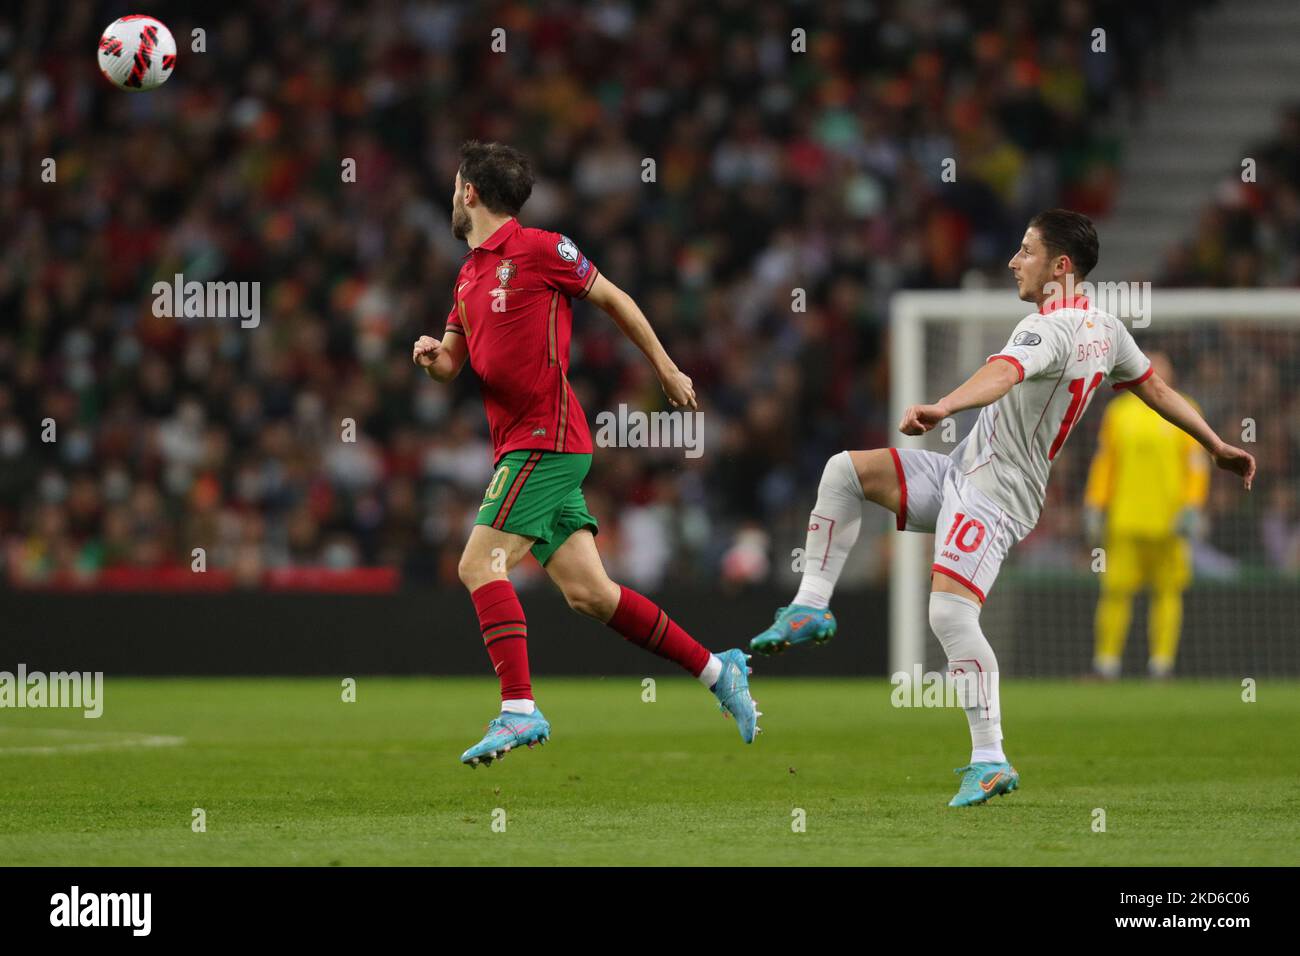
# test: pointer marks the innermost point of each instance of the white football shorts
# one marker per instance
(972, 533)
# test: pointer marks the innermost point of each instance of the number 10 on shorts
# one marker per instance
(969, 535)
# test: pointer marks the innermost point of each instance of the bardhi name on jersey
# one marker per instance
(1061, 355)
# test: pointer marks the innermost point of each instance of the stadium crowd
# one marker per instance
(773, 170)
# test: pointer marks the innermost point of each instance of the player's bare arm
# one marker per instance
(1174, 408)
(985, 387)
(632, 321)
(441, 358)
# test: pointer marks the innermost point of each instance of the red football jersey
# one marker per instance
(513, 305)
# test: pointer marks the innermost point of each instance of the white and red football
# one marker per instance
(137, 53)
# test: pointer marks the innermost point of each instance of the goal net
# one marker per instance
(1236, 353)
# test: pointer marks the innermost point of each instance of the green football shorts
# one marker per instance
(538, 494)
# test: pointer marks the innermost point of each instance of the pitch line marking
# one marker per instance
(125, 740)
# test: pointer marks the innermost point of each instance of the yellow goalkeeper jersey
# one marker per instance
(1146, 470)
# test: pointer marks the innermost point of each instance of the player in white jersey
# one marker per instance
(988, 493)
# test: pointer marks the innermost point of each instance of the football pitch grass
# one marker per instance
(289, 774)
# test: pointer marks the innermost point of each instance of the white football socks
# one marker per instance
(832, 530)
(955, 621)
(520, 706)
(712, 671)
(988, 754)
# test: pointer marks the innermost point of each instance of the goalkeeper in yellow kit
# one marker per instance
(1146, 488)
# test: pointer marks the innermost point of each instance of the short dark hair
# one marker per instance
(501, 174)
(1071, 234)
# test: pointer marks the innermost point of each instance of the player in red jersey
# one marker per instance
(512, 319)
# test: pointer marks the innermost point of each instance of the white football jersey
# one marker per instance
(1062, 355)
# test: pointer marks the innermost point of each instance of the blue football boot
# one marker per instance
(794, 625)
(984, 781)
(732, 691)
(505, 733)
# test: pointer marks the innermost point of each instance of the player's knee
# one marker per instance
(952, 615)
(465, 572)
(839, 476)
(941, 619)
(473, 572)
(873, 471)
(837, 466)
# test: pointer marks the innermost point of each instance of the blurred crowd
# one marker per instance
(1249, 235)
(773, 170)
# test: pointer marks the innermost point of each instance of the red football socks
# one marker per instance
(645, 624)
(505, 634)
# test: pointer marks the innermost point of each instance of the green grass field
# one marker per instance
(288, 774)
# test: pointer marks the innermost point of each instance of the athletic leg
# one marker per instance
(1171, 562)
(485, 563)
(955, 620)
(849, 480)
(972, 537)
(1120, 582)
(578, 572)
(1164, 627)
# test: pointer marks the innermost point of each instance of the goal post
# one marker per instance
(1237, 354)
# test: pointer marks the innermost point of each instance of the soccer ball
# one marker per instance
(137, 53)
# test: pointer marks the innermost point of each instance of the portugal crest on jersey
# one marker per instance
(505, 272)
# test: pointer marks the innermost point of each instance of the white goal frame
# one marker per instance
(909, 312)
